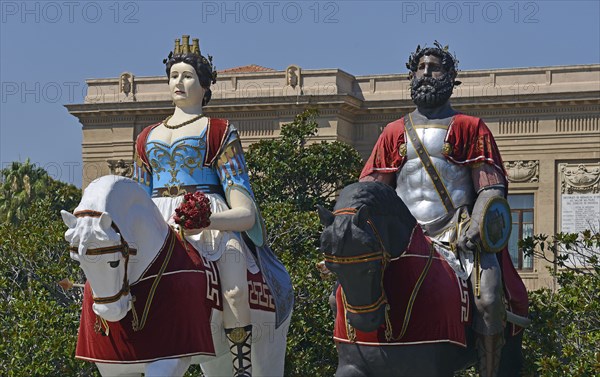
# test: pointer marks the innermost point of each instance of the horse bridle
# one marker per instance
(123, 248)
(382, 254)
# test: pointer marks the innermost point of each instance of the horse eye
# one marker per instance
(114, 264)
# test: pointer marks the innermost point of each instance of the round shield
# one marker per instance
(496, 225)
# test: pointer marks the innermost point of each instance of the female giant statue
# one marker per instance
(189, 152)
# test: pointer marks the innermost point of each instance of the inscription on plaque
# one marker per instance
(580, 212)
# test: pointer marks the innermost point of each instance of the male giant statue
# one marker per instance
(445, 166)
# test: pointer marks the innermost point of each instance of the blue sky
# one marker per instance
(49, 48)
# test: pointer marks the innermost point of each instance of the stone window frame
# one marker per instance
(520, 211)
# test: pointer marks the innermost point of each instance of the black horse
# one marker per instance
(369, 243)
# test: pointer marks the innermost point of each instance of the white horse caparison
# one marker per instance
(124, 202)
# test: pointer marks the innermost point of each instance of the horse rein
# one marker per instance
(382, 254)
(123, 248)
(385, 257)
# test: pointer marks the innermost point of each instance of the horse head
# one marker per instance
(369, 226)
(95, 242)
(103, 250)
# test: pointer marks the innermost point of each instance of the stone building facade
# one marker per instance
(546, 121)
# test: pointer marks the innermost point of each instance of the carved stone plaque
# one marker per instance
(579, 201)
(523, 171)
(580, 196)
(581, 178)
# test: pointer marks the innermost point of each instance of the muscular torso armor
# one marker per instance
(415, 187)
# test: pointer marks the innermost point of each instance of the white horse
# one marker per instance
(115, 216)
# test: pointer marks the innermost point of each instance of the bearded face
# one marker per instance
(430, 92)
(431, 85)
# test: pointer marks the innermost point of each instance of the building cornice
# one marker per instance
(329, 71)
(257, 91)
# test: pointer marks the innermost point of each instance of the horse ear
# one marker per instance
(69, 219)
(361, 216)
(105, 221)
(325, 215)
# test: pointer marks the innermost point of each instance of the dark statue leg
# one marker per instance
(489, 352)
(489, 319)
(511, 362)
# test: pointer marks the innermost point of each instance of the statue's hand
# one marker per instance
(192, 232)
(469, 237)
(179, 229)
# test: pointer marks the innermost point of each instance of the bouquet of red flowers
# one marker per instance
(194, 212)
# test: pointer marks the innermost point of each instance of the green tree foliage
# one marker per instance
(38, 320)
(22, 184)
(564, 339)
(294, 170)
(62, 196)
(290, 176)
(294, 236)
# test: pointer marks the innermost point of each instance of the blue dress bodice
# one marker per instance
(180, 165)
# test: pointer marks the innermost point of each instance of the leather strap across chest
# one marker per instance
(428, 164)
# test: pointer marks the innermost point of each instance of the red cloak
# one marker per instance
(469, 139)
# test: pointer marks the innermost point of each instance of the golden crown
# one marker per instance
(183, 47)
